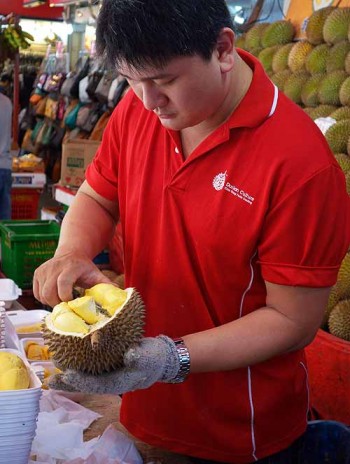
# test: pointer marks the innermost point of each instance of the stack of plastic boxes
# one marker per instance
(18, 412)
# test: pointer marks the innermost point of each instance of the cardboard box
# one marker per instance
(76, 156)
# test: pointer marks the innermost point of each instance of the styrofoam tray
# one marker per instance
(27, 318)
(9, 292)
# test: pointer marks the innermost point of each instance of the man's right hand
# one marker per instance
(54, 280)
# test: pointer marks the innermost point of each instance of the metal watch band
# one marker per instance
(184, 359)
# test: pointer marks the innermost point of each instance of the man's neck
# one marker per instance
(240, 79)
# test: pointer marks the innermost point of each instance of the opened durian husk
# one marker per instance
(102, 348)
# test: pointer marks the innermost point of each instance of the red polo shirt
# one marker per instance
(262, 198)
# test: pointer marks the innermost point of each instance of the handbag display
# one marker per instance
(103, 87)
(100, 126)
(83, 95)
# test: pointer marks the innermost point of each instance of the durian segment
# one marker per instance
(339, 320)
(336, 26)
(69, 322)
(108, 296)
(35, 351)
(13, 372)
(315, 23)
(85, 307)
(60, 308)
(115, 336)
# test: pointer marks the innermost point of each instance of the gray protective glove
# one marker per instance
(153, 360)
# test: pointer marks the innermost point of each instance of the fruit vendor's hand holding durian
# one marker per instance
(153, 360)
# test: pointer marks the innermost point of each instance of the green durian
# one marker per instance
(309, 93)
(328, 92)
(315, 23)
(338, 135)
(336, 26)
(298, 55)
(277, 33)
(316, 60)
(280, 58)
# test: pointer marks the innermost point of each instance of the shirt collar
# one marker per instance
(256, 105)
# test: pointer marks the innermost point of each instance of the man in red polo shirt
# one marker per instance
(227, 194)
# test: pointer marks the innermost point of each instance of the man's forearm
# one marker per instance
(86, 227)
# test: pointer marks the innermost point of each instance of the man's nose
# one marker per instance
(152, 97)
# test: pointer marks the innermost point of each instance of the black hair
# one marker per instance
(151, 32)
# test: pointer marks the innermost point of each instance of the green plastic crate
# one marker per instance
(24, 246)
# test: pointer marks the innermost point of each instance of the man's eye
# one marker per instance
(165, 82)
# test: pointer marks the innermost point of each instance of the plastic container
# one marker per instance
(9, 292)
(24, 246)
(25, 203)
(26, 323)
(328, 359)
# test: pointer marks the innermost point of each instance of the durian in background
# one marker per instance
(343, 160)
(253, 37)
(281, 77)
(280, 58)
(328, 92)
(277, 33)
(309, 91)
(344, 92)
(336, 25)
(316, 60)
(322, 111)
(266, 56)
(337, 137)
(339, 320)
(341, 113)
(298, 55)
(294, 85)
(240, 41)
(315, 23)
(347, 63)
(91, 333)
(337, 55)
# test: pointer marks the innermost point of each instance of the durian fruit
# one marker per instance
(343, 160)
(347, 63)
(328, 92)
(347, 182)
(343, 278)
(266, 56)
(14, 374)
(298, 55)
(277, 33)
(338, 135)
(36, 352)
(348, 146)
(322, 111)
(240, 41)
(102, 347)
(343, 112)
(337, 55)
(339, 320)
(256, 51)
(344, 92)
(85, 307)
(309, 92)
(294, 85)
(281, 77)
(280, 58)
(336, 26)
(253, 36)
(308, 111)
(314, 26)
(333, 299)
(316, 60)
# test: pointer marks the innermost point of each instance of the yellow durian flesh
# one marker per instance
(13, 372)
(70, 322)
(60, 308)
(85, 307)
(108, 296)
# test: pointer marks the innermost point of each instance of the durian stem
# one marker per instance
(95, 340)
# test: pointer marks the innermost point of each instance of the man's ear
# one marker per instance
(225, 49)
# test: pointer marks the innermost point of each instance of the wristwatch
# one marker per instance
(184, 359)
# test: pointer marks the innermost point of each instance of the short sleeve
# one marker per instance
(306, 235)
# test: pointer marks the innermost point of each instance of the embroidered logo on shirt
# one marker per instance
(219, 183)
(219, 180)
